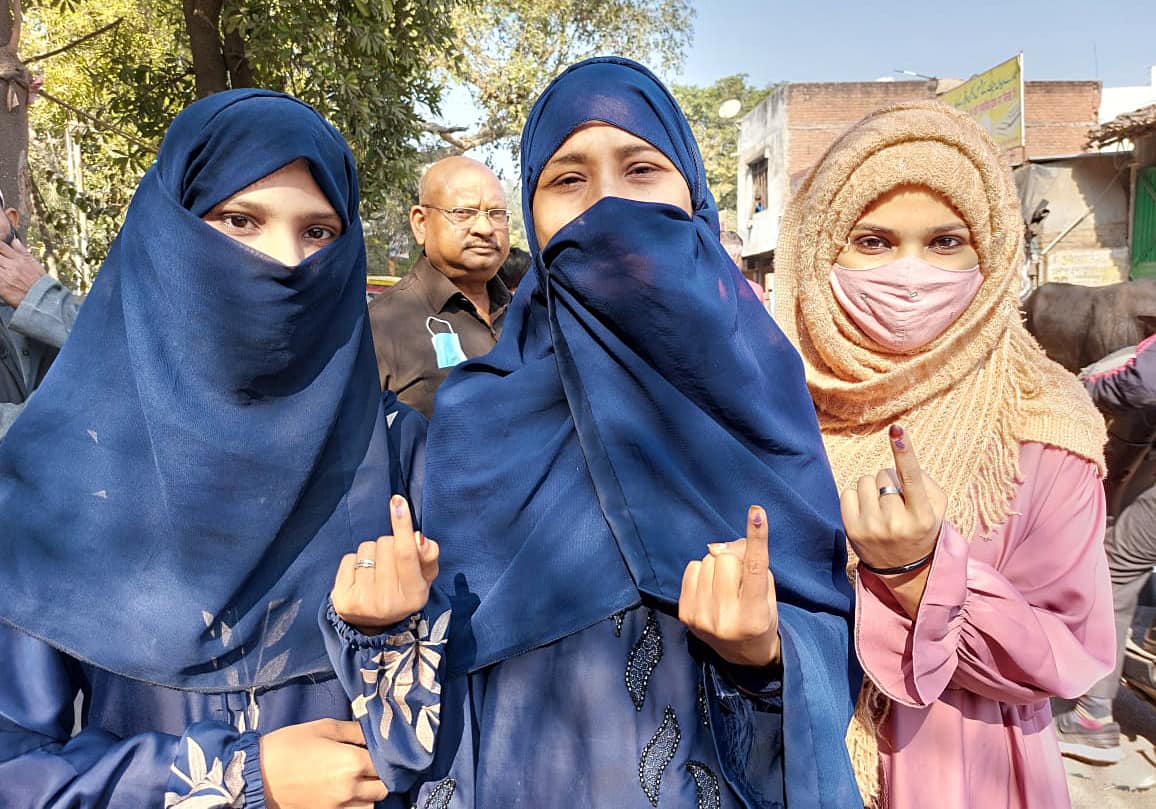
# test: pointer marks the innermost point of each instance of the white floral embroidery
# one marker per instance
(398, 670)
(214, 787)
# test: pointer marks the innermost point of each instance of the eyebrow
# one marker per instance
(256, 208)
(933, 231)
(577, 158)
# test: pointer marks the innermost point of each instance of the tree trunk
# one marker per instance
(203, 23)
(240, 69)
(13, 112)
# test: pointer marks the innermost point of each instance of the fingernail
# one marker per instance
(398, 505)
(896, 433)
(757, 517)
(420, 539)
(716, 547)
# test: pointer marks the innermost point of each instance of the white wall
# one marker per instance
(1115, 101)
(763, 134)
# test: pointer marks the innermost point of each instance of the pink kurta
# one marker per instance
(1005, 623)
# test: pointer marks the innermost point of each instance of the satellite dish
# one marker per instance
(730, 108)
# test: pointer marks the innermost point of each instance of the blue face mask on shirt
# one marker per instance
(447, 345)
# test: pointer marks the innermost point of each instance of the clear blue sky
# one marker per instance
(861, 40)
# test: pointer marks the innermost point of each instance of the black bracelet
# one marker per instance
(907, 568)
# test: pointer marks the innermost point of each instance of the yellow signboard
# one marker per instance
(995, 98)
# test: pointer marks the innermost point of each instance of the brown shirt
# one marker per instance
(405, 354)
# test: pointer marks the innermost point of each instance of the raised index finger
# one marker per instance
(907, 467)
(756, 558)
(404, 544)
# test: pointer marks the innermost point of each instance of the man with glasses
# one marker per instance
(450, 307)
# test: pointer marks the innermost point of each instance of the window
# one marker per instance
(758, 170)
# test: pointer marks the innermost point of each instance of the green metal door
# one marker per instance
(1144, 225)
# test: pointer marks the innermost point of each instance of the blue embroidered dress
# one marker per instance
(177, 496)
(140, 744)
(637, 403)
(622, 714)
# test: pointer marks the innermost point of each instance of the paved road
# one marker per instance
(1095, 787)
(1113, 787)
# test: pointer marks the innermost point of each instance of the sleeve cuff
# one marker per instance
(913, 661)
(399, 634)
(25, 313)
(935, 635)
(759, 683)
(755, 683)
(250, 744)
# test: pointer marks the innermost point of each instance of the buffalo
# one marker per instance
(1078, 326)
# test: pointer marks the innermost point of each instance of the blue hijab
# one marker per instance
(639, 400)
(179, 491)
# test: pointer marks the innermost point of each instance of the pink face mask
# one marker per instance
(905, 304)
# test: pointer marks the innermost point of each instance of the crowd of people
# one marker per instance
(621, 539)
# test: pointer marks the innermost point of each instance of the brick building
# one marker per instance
(789, 131)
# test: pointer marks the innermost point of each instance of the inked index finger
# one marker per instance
(401, 521)
(756, 558)
(907, 467)
(405, 539)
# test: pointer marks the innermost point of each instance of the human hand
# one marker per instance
(728, 598)
(19, 270)
(374, 596)
(319, 765)
(891, 529)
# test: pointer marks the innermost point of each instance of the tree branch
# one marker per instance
(17, 24)
(75, 42)
(484, 136)
(92, 119)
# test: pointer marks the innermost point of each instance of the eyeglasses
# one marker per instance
(499, 217)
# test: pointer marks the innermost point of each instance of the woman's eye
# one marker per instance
(641, 169)
(562, 181)
(566, 180)
(238, 221)
(318, 233)
(946, 243)
(872, 244)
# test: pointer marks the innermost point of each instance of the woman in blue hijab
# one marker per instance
(583, 646)
(211, 439)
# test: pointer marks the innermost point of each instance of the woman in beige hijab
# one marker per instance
(981, 580)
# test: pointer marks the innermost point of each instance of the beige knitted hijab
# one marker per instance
(971, 396)
(976, 392)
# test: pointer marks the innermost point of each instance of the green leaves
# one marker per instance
(367, 65)
(509, 50)
(375, 68)
(718, 137)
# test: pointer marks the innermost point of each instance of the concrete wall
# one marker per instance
(763, 135)
(1095, 251)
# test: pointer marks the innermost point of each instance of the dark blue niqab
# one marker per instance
(639, 400)
(178, 493)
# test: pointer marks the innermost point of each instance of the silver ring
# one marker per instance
(889, 490)
(365, 563)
